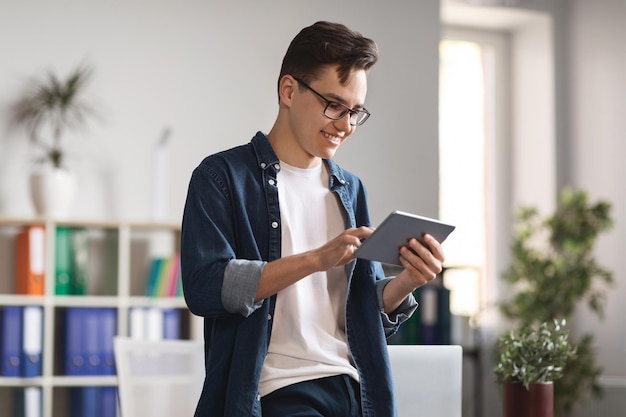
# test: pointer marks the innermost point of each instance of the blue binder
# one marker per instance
(107, 329)
(444, 316)
(428, 315)
(171, 323)
(108, 396)
(91, 341)
(85, 401)
(11, 340)
(74, 349)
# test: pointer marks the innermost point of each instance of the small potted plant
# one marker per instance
(48, 110)
(530, 361)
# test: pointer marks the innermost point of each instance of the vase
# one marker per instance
(536, 401)
(52, 192)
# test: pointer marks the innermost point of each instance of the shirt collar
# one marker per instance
(265, 155)
(266, 158)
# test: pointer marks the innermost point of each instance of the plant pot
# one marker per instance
(537, 401)
(52, 192)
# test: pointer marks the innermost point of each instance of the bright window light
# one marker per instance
(462, 141)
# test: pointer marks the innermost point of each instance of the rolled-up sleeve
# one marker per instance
(241, 280)
(401, 314)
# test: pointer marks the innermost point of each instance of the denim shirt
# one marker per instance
(231, 228)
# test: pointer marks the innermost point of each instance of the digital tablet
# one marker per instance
(384, 244)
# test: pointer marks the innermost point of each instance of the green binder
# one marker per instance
(63, 261)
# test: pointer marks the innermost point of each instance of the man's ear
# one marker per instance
(286, 88)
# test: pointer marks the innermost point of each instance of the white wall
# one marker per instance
(533, 109)
(598, 149)
(208, 70)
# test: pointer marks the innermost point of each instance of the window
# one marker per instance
(471, 64)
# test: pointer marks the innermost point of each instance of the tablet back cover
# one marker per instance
(384, 244)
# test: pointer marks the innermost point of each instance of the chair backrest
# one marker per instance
(427, 379)
(159, 378)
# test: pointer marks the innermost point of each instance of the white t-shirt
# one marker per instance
(308, 335)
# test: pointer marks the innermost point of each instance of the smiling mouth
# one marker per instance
(332, 138)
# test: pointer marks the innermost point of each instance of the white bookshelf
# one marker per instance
(120, 254)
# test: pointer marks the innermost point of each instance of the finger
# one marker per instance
(433, 260)
(413, 271)
(420, 250)
(434, 247)
(348, 253)
(361, 233)
(427, 270)
(351, 242)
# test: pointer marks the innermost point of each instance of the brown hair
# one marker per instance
(323, 44)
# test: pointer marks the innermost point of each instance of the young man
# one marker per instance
(294, 324)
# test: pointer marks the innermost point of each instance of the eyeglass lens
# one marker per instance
(336, 111)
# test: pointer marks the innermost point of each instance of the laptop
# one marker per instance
(427, 379)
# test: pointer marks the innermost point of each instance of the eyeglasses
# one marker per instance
(336, 111)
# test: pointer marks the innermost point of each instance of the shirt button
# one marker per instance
(269, 316)
(274, 225)
(258, 397)
(342, 181)
(271, 182)
(263, 164)
(277, 166)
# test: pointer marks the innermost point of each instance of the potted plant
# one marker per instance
(553, 269)
(48, 110)
(530, 361)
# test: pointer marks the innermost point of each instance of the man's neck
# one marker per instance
(286, 148)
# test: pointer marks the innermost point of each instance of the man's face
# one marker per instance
(315, 136)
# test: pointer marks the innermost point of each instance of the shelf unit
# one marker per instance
(119, 260)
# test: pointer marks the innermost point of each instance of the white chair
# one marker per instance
(158, 378)
(427, 379)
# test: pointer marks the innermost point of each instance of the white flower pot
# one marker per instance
(52, 191)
